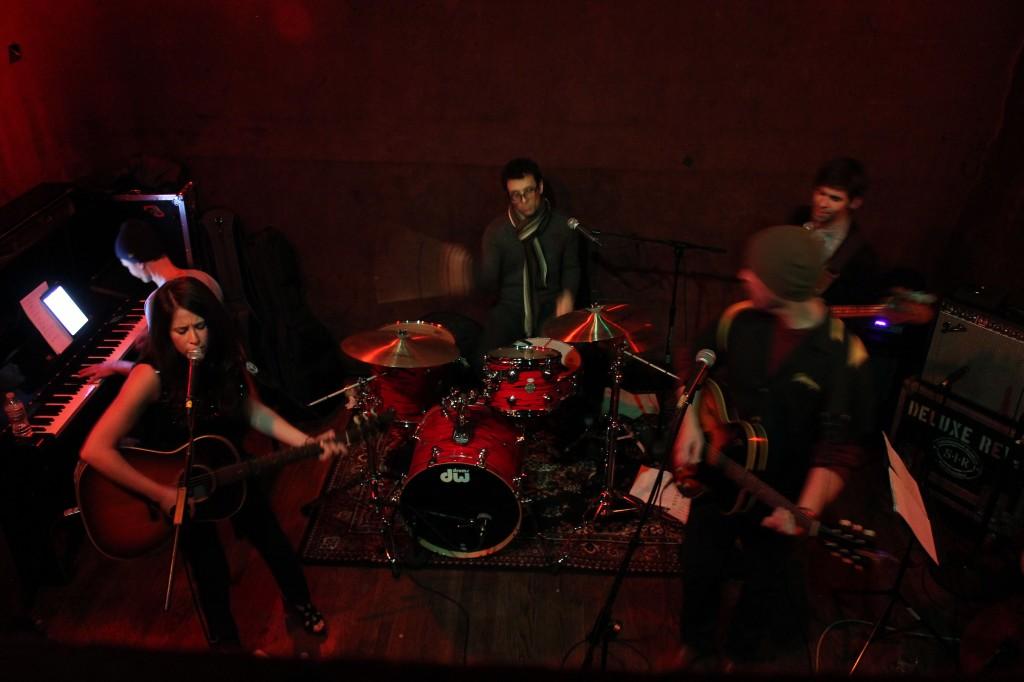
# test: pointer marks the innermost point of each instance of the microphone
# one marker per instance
(705, 361)
(194, 356)
(575, 225)
(954, 376)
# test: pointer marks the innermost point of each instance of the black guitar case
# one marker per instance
(297, 357)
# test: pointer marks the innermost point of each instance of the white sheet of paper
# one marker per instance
(44, 321)
(669, 498)
(907, 501)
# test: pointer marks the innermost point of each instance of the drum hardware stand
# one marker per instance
(610, 502)
(374, 483)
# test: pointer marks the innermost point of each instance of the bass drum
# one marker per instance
(461, 496)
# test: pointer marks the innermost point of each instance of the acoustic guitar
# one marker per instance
(123, 524)
(734, 451)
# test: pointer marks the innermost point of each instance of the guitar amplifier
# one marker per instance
(972, 460)
(986, 351)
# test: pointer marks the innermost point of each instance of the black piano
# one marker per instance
(56, 235)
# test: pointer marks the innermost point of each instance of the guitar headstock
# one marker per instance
(365, 425)
(850, 542)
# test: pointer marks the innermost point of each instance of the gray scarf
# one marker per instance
(528, 233)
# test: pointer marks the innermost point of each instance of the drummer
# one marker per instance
(529, 261)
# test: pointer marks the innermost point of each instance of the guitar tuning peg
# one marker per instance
(845, 523)
(869, 533)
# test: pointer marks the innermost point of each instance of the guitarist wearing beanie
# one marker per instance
(798, 376)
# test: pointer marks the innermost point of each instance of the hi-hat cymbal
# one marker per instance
(400, 348)
(419, 327)
(600, 323)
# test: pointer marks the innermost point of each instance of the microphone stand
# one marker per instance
(679, 249)
(181, 505)
(605, 628)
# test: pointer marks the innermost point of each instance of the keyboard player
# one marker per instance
(141, 252)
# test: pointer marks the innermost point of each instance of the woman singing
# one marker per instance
(185, 316)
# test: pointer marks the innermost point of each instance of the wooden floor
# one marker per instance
(439, 616)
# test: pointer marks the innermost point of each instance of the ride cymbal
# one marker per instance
(400, 348)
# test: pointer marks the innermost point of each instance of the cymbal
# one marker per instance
(600, 323)
(400, 348)
(419, 327)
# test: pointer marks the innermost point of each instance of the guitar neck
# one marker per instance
(765, 493)
(259, 465)
(845, 311)
(360, 429)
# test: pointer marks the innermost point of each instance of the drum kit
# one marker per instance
(461, 495)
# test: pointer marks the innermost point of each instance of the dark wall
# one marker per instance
(372, 133)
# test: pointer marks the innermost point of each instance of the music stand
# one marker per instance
(908, 503)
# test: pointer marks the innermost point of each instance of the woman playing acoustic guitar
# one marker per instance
(186, 317)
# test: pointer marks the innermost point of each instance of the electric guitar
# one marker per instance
(735, 449)
(123, 524)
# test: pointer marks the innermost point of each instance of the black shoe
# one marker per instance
(312, 620)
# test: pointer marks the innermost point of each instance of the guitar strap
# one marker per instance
(846, 251)
(835, 417)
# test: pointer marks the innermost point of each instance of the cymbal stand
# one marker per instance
(679, 249)
(679, 274)
(374, 483)
(611, 502)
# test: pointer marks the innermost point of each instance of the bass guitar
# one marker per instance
(123, 524)
(734, 451)
(903, 307)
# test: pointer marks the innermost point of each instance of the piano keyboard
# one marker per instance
(59, 402)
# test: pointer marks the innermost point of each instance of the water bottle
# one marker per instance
(16, 415)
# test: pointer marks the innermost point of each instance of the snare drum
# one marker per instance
(521, 382)
(572, 362)
(461, 497)
(419, 328)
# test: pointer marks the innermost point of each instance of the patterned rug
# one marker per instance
(347, 528)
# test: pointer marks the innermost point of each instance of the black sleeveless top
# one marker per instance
(163, 426)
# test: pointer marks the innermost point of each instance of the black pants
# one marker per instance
(771, 610)
(211, 576)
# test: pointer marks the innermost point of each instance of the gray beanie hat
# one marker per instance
(789, 260)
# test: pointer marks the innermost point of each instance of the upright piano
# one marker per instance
(52, 234)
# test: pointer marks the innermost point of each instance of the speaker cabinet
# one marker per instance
(972, 462)
(989, 348)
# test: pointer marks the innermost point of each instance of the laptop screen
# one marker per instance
(64, 308)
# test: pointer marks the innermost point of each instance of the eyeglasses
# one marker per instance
(523, 195)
